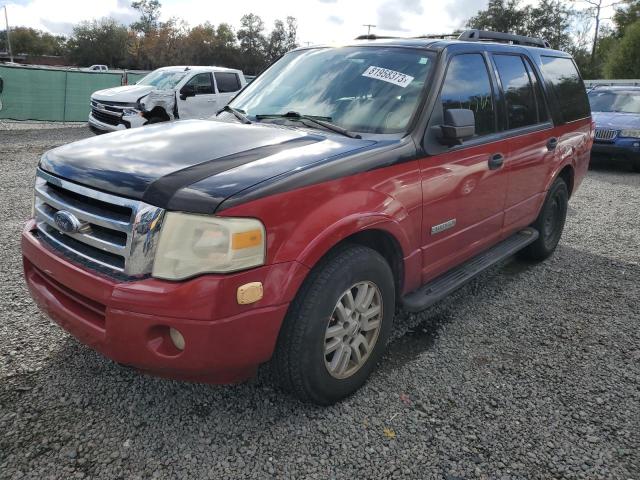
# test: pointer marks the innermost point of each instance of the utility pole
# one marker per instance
(368, 25)
(6, 19)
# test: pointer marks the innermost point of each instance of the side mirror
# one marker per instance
(187, 91)
(459, 125)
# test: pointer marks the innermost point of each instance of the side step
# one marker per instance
(445, 284)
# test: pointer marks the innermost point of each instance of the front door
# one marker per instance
(205, 102)
(464, 188)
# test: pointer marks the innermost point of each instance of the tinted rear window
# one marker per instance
(227, 82)
(568, 87)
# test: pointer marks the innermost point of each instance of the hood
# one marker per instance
(616, 120)
(159, 164)
(126, 94)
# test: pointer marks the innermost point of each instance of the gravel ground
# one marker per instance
(531, 371)
(38, 125)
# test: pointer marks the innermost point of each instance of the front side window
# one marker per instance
(619, 101)
(570, 93)
(366, 89)
(467, 86)
(227, 82)
(518, 91)
(202, 83)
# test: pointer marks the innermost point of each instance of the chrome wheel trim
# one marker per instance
(353, 329)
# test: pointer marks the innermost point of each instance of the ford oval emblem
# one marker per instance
(67, 222)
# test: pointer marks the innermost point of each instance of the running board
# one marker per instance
(445, 284)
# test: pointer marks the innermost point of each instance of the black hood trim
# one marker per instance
(162, 190)
(346, 165)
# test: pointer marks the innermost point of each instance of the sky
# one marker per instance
(319, 21)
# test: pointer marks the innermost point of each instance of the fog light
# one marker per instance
(176, 338)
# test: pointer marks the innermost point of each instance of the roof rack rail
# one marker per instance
(443, 36)
(373, 36)
(479, 35)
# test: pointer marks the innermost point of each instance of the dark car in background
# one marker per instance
(616, 112)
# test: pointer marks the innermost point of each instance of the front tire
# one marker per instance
(337, 327)
(550, 223)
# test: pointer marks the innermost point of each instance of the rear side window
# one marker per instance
(227, 82)
(520, 97)
(568, 87)
(467, 85)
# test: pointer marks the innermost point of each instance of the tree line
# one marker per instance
(611, 51)
(150, 43)
(576, 26)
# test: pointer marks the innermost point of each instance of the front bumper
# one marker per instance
(129, 321)
(129, 121)
(622, 149)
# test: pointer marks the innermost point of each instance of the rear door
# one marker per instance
(204, 103)
(228, 84)
(531, 140)
(463, 191)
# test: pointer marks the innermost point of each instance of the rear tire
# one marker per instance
(550, 223)
(337, 327)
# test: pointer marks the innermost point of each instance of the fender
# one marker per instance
(348, 226)
(304, 224)
(324, 225)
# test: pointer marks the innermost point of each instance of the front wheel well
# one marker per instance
(157, 112)
(386, 245)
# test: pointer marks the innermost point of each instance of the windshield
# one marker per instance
(361, 89)
(615, 101)
(162, 80)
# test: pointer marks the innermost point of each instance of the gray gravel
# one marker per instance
(531, 371)
(38, 125)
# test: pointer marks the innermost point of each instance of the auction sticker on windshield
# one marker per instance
(386, 75)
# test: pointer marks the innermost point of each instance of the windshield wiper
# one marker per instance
(322, 121)
(240, 115)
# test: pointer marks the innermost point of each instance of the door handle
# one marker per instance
(496, 161)
(552, 143)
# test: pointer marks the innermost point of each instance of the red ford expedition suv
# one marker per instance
(340, 183)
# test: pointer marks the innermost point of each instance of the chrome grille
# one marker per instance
(113, 233)
(606, 134)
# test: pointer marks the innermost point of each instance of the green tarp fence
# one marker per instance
(53, 95)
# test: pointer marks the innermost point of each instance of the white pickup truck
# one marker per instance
(165, 94)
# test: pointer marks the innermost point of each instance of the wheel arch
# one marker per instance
(383, 242)
(159, 112)
(567, 173)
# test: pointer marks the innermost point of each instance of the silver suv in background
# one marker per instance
(166, 94)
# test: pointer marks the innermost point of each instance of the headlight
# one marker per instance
(630, 133)
(130, 111)
(192, 244)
